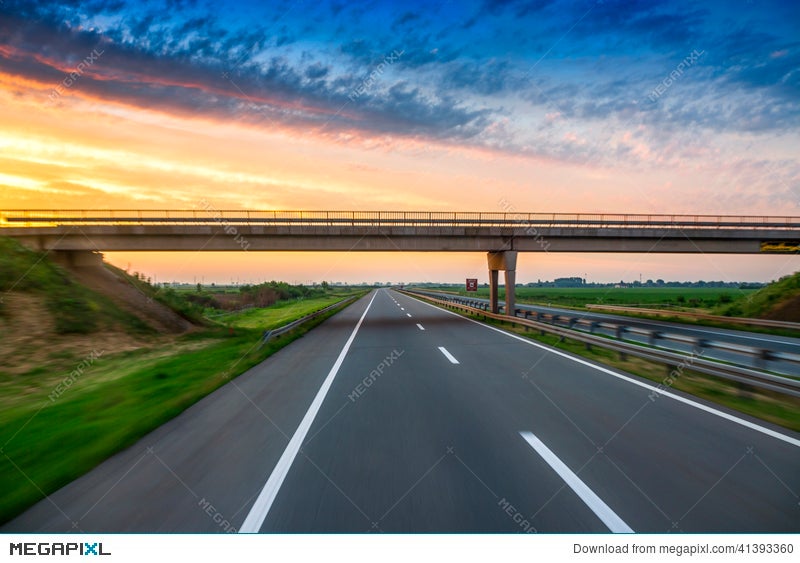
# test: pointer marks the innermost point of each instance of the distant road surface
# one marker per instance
(397, 416)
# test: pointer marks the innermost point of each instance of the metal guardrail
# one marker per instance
(739, 374)
(55, 217)
(275, 332)
(691, 315)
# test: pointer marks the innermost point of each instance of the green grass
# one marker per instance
(74, 308)
(281, 313)
(762, 302)
(696, 297)
(773, 407)
(45, 444)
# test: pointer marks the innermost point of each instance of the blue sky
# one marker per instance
(482, 73)
(586, 106)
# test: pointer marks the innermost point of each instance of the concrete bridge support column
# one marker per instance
(506, 261)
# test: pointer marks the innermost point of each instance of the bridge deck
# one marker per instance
(236, 230)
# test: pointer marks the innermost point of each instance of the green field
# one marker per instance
(694, 297)
(281, 313)
(50, 435)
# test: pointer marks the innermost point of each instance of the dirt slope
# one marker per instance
(127, 297)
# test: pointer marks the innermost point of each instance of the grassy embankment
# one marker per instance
(777, 300)
(73, 308)
(60, 419)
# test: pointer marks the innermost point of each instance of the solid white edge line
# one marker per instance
(610, 518)
(258, 513)
(419, 326)
(684, 400)
(448, 355)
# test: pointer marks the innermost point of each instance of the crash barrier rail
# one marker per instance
(673, 360)
(275, 332)
(692, 315)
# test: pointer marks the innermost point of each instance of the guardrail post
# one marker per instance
(761, 358)
(592, 327)
(653, 336)
(619, 332)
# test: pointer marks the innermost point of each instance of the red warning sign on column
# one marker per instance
(472, 284)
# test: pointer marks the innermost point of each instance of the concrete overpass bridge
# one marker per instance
(75, 236)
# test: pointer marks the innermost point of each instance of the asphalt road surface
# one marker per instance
(736, 337)
(397, 416)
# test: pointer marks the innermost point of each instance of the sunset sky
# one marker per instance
(586, 106)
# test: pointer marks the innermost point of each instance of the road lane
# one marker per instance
(658, 460)
(735, 337)
(394, 458)
(400, 430)
(263, 503)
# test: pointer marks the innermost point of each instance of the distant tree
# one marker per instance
(199, 287)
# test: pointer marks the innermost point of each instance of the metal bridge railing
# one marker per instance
(53, 217)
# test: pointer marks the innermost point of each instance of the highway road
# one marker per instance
(735, 337)
(397, 416)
